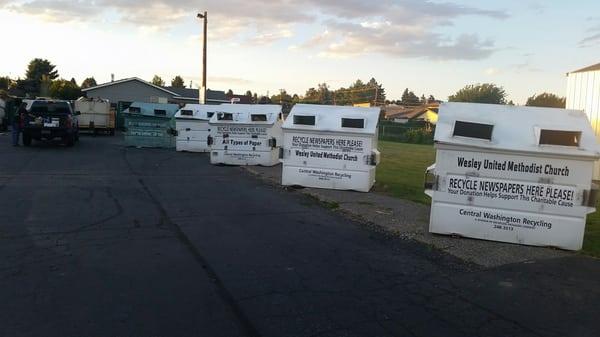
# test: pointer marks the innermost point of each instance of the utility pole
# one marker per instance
(203, 87)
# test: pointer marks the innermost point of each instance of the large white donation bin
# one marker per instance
(192, 127)
(245, 134)
(512, 174)
(332, 147)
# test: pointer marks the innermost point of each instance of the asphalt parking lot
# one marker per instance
(104, 240)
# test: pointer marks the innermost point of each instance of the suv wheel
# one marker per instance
(26, 139)
(69, 140)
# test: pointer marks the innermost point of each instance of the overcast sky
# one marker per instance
(431, 47)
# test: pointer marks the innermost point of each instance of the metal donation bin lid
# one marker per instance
(197, 111)
(548, 131)
(343, 119)
(152, 109)
(264, 114)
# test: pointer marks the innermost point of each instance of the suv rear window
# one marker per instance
(40, 107)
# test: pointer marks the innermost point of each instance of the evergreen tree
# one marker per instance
(157, 80)
(177, 82)
(88, 83)
(38, 71)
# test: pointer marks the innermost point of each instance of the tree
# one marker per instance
(325, 95)
(156, 80)
(295, 99)
(431, 99)
(5, 82)
(248, 94)
(311, 96)
(63, 89)
(264, 100)
(480, 93)
(229, 93)
(283, 97)
(378, 92)
(88, 83)
(547, 100)
(38, 70)
(409, 97)
(177, 82)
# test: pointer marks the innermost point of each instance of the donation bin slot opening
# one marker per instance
(210, 114)
(355, 123)
(560, 137)
(304, 120)
(159, 112)
(187, 112)
(135, 109)
(223, 116)
(473, 130)
(259, 118)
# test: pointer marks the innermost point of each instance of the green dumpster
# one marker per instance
(121, 107)
(150, 125)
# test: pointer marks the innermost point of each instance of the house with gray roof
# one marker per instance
(135, 89)
(123, 92)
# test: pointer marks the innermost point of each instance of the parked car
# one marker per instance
(50, 119)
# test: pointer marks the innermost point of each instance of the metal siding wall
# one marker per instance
(595, 100)
(128, 92)
(583, 93)
(570, 90)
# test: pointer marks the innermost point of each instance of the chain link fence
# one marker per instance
(406, 133)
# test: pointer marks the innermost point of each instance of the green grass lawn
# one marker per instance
(401, 174)
(402, 170)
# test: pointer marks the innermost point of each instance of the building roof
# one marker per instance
(242, 113)
(194, 94)
(137, 79)
(594, 67)
(516, 128)
(329, 118)
(411, 113)
(243, 99)
(181, 93)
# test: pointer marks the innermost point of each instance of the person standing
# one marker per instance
(17, 124)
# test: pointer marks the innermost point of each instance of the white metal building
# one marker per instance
(583, 93)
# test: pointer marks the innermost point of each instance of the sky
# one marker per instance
(430, 47)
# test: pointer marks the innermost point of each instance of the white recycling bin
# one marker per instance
(192, 127)
(333, 147)
(512, 174)
(245, 134)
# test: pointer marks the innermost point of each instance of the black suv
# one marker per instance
(48, 119)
